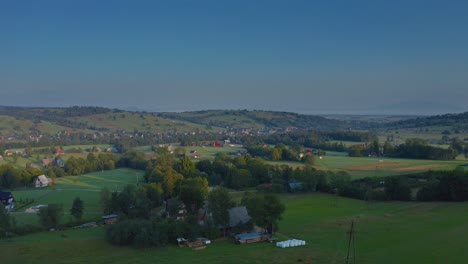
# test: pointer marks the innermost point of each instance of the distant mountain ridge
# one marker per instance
(460, 120)
(256, 118)
(85, 119)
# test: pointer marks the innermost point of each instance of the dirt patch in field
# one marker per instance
(372, 166)
(419, 167)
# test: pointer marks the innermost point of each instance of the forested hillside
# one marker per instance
(455, 120)
(247, 119)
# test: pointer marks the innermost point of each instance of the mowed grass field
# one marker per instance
(359, 167)
(385, 232)
(66, 189)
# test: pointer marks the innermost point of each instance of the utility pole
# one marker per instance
(351, 239)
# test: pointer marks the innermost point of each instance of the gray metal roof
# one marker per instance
(237, 215)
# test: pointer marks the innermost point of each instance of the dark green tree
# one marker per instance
(49, 216)
(193, 193)
(266, 210)
(186, 166)
(77, 208)
(5, 221)
(397, 188)
(219, 202)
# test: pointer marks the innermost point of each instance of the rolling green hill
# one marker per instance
(22, 121)
(255, 119)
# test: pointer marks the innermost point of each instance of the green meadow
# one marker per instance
(66, 189)
(360, 167)
(385, 232)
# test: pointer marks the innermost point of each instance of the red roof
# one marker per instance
(59, 151)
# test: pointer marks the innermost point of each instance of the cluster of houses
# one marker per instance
(23, 153)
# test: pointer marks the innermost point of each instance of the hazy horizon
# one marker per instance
(310, 57)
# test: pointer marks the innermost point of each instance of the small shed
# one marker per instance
(109, 219)
(41, 181)
(294, 185)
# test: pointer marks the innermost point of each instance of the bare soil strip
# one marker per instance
(420, 167)
(374, 165)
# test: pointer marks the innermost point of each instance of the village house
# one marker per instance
(238, 215)
(294, 185)
(59, 151)
(42, 181)
(53, 161)
(32, 165)
(7, 200)
(46, 162)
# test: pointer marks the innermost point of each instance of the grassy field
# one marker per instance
(359, 167)
(86, 186)
(387, 232)
(130, 121)
(432, 134)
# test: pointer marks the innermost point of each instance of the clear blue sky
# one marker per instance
(328, 56)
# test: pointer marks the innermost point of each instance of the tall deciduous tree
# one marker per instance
(219, 202)
(187, 167)
(193, 192)
(5, 221)
(266, 210)
(49, 216)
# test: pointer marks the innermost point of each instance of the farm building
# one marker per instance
(59, 151)
(46, 162)
(42, 181)
(110, 219)
(58, 162)
(32, 165)
(7, 200)
(294, 186)
(238, 215)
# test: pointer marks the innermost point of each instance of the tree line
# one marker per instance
(11, 177)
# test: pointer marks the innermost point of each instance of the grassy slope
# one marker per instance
(12, 126)
(130, 121)
(375, 168)
(254, 119)
(393, 232)
(86, 186)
